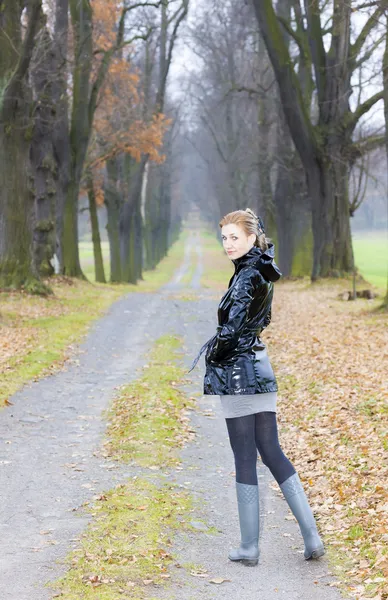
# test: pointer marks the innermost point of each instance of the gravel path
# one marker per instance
(50, 463)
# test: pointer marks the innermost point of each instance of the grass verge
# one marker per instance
(146, 420)
(125, 550)
(218, 269)
(371, 256)
(37, 333)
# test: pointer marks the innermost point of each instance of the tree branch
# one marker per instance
(215, 139)
(366, 145)
(318, 52)
(294, 34)
(295, 110)
(369, 52)
(160, 95)
(108, 54)
(363, 108)
(26, 54)
(175, 31)
(127, 9)
(356, 48)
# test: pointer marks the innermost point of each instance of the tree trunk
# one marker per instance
(16, 199)
(385, 79)
(328, 190)
(265, 114)
(16, 202)
(96, 238)
(60, 134)
(323, 152)
(113, 202)
(127, 222)
(81, 122)
(138, 242)
(42, 159)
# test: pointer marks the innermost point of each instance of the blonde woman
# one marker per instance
(238, 370)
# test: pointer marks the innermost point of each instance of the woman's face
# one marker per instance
(236, 242)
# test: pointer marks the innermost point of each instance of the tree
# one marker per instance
(325, 146)
(121, 135)
(16, 200)
(87, 80)
(131, 222)
(385, 80)
(42, 160)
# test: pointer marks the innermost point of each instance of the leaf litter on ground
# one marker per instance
(330, 359)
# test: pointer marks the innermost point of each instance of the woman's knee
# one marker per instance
(245, 453)
(271, 454)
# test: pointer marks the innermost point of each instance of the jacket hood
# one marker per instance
(263, 261)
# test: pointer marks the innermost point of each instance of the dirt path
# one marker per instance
(49, 464)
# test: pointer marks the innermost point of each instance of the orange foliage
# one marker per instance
(119, 126)
(106, 15)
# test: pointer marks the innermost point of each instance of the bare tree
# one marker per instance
(325, 145)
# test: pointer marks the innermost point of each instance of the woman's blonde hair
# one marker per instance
(249, 223)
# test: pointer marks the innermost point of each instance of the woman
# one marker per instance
(239, 371)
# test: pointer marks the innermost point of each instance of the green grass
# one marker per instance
(371, 256)
(124, 552)
(64, 318)
(152, 279)
(145, 418)
(73, 308)
(218, 268)
(87, 259)
(125, 549)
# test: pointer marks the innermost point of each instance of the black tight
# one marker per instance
(257, 432)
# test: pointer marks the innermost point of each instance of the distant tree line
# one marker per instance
(282, 105)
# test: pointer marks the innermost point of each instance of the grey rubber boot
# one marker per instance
(248, 512)
(297, 501)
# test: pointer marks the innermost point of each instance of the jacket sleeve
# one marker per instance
(228, 335)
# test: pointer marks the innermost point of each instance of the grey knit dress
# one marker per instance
(241, 405)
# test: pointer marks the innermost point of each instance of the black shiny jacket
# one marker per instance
(236, 359)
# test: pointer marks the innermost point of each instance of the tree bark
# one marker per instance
(16, 199)
(60, 134)
(113, 202)
(43, 165)
(96, 238)
(322, 149)
(385, 80)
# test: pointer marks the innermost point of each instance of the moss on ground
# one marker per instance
(146, 420)
(124, 552)
(188, 276)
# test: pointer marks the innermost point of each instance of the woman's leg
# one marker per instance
(241, 432)
(267, 442)
(242, 440)
(272, 455)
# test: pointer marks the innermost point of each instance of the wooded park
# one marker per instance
(278, 106)
(128, 129)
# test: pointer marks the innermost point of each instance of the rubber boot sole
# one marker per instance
(316, 554)
(247, 562)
